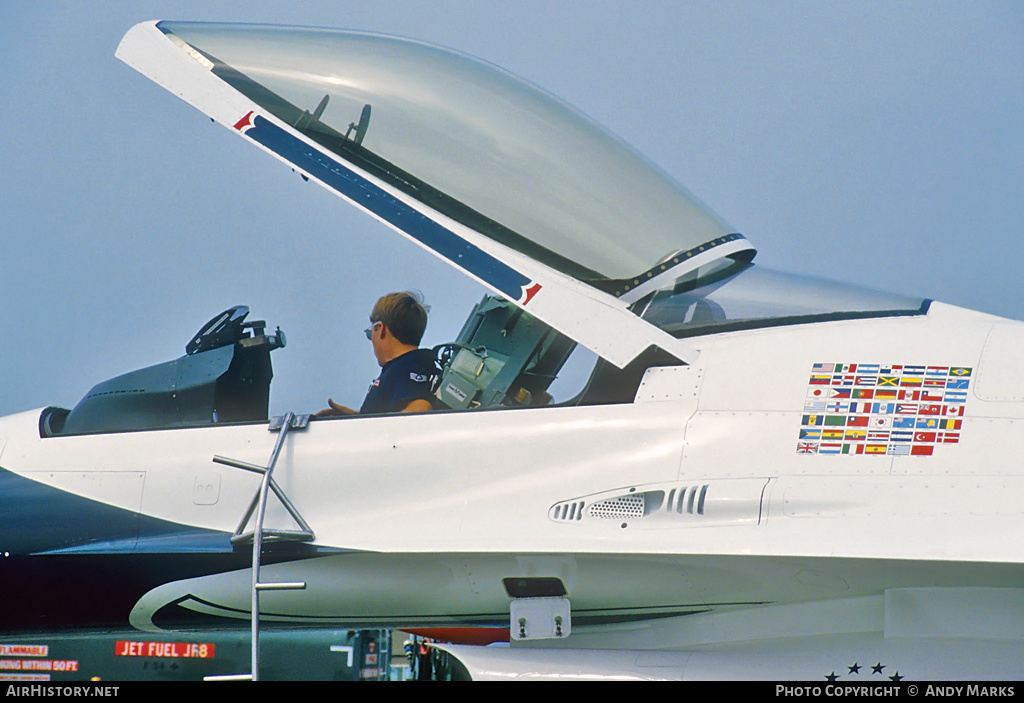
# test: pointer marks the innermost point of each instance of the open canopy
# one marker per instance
(474, 143)
(504, 181)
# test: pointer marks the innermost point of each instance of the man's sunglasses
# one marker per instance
(369, 330)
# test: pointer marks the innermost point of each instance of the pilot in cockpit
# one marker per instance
(407, 373)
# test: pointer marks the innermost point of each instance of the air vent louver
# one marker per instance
(628, 507)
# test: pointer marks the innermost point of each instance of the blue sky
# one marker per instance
(873, 142)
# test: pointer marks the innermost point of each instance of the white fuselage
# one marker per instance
(428, 512)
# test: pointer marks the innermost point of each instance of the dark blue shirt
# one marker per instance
(402, 380)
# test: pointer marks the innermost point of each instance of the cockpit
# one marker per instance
(502, 357)
(490, 173)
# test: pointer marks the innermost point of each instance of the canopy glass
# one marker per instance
(472, 141)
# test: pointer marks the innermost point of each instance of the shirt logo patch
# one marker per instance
(418, 378)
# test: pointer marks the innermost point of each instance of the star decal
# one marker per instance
(855, 669)
(877, 668)
(896, 677)
(831, 677)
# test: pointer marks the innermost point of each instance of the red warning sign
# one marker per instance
(38, 665)
(184, 650)
(24, 650)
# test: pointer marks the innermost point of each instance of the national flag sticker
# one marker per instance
(861, 408)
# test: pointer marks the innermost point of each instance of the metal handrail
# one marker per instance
(259, 504)
(305, 532)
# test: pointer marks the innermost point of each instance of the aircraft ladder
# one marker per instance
(258, 504)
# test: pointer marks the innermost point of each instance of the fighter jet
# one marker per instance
(766, 476)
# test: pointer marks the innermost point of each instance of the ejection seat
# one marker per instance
(502, 357)
(505, 357)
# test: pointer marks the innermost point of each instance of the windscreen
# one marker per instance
(736, 295)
